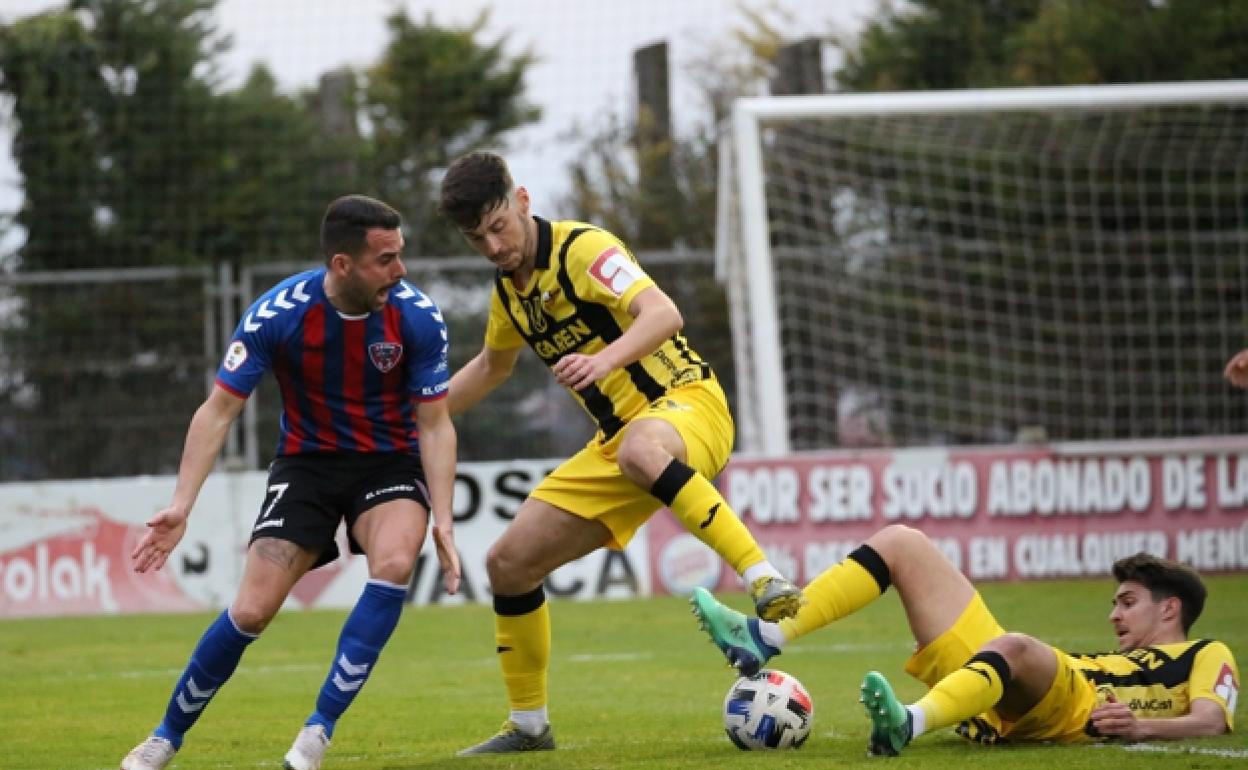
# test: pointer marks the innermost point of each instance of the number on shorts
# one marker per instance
(275, 493)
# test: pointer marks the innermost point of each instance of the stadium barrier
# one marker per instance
(1018, 512)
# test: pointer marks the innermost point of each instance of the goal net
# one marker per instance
(987, 266)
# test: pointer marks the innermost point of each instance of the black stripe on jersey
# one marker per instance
(604, 326)
(1152, 667)
(682, 347)
(603, 323)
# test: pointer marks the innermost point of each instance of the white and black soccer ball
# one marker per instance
(770, 710)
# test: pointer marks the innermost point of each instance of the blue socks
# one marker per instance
(213, 661)
(366, 631)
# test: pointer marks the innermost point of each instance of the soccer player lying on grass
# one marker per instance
(575, 295)
(995, 685)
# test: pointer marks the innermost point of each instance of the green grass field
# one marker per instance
(633, 684)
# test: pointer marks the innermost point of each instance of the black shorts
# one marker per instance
(309, 494)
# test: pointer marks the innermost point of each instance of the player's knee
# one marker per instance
(252, 617)
(510, 572)
(1014, 647)
(394, 567)
(900, 540)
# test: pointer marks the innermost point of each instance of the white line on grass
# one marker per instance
(609, 657)
(167, 672)
(1204, 750)
(1157, 748)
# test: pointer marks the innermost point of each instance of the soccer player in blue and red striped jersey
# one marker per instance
(360, 356)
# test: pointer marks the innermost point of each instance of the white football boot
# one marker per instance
(152, 754)
(308, 749)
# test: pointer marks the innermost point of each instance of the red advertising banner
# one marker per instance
(1000, 513)
(77, 562)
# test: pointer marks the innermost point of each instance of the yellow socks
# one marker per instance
(705, 513)
(522, 631)
(967, 692)
(840, 590)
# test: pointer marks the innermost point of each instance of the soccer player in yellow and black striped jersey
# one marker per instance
(995, 685)
(576, 295)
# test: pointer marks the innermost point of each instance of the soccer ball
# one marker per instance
(770, 710)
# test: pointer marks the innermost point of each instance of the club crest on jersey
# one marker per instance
(539, 322)
(385, 355)
(235, 356)
(615, 271)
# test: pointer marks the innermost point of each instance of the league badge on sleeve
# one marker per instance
(615, 271)
(1227, 688)
(235, 356)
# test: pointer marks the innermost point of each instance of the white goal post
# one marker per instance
(968, 266)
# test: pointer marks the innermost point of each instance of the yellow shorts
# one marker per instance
(1059, 716)
(589, 484)
(1062, 714)
(952, 649)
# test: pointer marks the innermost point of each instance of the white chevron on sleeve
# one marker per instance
(299, 294)
(250, 324)
(406, 292)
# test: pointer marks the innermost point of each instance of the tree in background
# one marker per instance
(951, 44)
(605, 187)
(436, 93)
(934, 44)
(135, 154)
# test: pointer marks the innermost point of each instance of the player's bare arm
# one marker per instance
(204, 439)
(477, 378)
(655, 318)
(1115, 719)
(438, 447)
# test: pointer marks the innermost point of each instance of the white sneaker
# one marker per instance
(152, 754)
(308, 749)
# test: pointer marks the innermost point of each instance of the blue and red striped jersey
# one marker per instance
(348, 383)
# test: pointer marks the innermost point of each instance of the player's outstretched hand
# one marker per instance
(448, 557)
(1237, 369)
(164, 531)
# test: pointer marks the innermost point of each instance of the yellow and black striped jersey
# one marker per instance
(577, 302)
(1162, 681)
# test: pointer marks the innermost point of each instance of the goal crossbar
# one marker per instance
(769, 434)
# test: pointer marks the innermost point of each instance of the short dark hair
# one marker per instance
(1164, 578)
(474, 184)
(344, 230)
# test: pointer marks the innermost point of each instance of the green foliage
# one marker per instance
(435, 94)
(936, 44)
(134, 154)
(608, 178)
(634, 684)
(606, 189)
